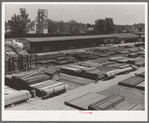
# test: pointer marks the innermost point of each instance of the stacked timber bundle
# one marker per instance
(65, 60)
(124, 66)
(103, 55)
(141, 53)
(53, 73)
(141, 49)
(132, 55)
(48, 88)
(131, 81)
(94, 74)
(100, 60)
(71, 70)
(124, 52)
(142, 74)
(13, 96)
(49, 56)
(24, 79)
(115, 65)
(90, 64)
(115, 58)
(124, 60)
(77, 66)
(124, 69)
(134, 49)
(125, 105)
(141, 86)
(137, 62)
(84, 100)
(106, 103)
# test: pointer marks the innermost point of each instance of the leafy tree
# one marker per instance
(52, 28)
(100, 26)
(19, 22)
(109, 25)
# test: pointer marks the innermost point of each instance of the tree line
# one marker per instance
(20, 24)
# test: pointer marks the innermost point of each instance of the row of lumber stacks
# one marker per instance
(13, 96)
(106, 103)
(95, 101)
(132, 81)
(46, 79)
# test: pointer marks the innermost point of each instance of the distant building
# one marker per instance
(42, 25)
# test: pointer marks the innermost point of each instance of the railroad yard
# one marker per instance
(93, 78)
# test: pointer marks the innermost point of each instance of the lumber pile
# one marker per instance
(65, 60)
(70, 70)
(48, 88)
(94, 74)
(13, 96)
(142, 74)
(128, 106)
(90, 64)
(131, 81)
(106, 103)
(82, 102)
(48, 56)
(132, 55)
(134, 49)
(74, 80)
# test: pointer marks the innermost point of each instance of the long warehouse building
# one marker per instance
(47, 44)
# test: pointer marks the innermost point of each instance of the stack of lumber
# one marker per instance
(131, 95)
(137, 61)
(70, 70)
(133, 55)
(131, 81)
(82, 102)
(65, 60)
(128, 106)
(124, 60)
(134, 49)
(123, 52)
(100, 60)
(48, 87)
(48, 56)
(141, 53)
(90, 64)
(141, 86)
(13, 96)
(78, 66)
(115, 58)
(24, 79)
(142, 74)
(94, 74)
(106, 103)
(124, 69)
(74, 80)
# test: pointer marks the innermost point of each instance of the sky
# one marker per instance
(122, 14)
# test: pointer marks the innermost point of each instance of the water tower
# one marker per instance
(42, 21)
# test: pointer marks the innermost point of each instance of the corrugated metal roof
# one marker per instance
(46, 39)
(68, 38)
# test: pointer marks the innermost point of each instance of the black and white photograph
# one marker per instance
(74, 61)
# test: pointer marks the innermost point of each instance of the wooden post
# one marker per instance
(13, 64)
(21, 62)
(36, 60)
(30, 61)
(9, 64)
(27, 62)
